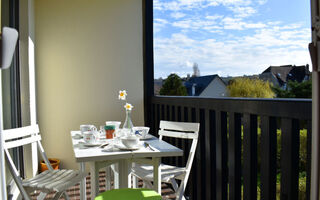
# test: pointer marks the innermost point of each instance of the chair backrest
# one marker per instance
(20, 137)
(183, 130)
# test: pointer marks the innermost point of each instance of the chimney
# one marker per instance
(193, 90)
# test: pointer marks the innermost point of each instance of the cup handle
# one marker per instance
(93, 128)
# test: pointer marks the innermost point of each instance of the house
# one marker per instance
(280, 75)
(206, 86)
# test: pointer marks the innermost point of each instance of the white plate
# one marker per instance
(122, 147)
(148, 136)
(91, 144)
(77, 136)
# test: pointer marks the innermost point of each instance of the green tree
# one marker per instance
(254, 88)
(295, 89)
(173, 86)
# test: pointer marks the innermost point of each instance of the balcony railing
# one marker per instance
(237, 149)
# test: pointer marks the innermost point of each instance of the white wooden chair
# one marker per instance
(48, 181)
(169, 174)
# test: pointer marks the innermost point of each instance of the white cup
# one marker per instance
(87, 127)
(141, 131)
(90, 137)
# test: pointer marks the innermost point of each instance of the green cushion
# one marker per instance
(129, 194)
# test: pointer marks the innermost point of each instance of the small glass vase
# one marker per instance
(127, 126)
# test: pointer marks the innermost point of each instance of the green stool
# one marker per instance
(129, 194)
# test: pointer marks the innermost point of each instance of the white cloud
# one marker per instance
(251, 54)
(177, 5)
(237, 24)
(261, 2)
(242, 12)
(159, 24)
(177, 15)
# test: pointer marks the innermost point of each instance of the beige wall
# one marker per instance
(86, 51)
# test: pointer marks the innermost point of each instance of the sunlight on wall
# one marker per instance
(85, 53)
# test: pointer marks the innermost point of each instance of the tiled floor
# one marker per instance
(74, 192)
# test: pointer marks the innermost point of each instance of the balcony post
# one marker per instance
(148, 75)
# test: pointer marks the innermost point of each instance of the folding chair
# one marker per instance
(48, 181)
(169, 174)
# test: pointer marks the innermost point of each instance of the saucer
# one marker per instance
(77, 136)
(122, 147)
(91, 144)
(147, 137)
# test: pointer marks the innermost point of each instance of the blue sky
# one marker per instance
(229, 37)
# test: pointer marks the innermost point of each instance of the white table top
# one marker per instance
(162, 149)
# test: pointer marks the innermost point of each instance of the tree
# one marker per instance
(245, 87)
(295, 89)
(173, 86)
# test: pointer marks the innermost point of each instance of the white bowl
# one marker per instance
(141, 131)
(130, 141)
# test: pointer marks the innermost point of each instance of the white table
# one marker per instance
(98, 159)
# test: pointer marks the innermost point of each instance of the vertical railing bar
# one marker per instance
(153, 121)
(213, 131)
(207, 143)
(221, 155)
(309, 152)
(289, 159)
(197, 161)
(188, 146)
(250, 156)
(234, 155)
(156, 120)
(171, 139)
(166, 160)
(179, 141)
(268, 163)
(213, 166)
(184, 112)
(162, 117)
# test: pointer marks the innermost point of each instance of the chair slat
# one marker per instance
(178, 134)
(21, 142)
(183, 126)
(20, 132)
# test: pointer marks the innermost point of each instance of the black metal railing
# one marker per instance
(239, 153)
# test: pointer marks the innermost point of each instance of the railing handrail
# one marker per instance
(276, 107)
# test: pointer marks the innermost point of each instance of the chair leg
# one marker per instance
(147, 184)
(66, 196)
(41, 196)
(108, 178)
(180, 191)
(57, 196)
(174, 184)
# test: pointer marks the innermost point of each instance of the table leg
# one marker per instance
(123, 174)
(115, 170)
(94, 175)
(83, 183)
(156, 175)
